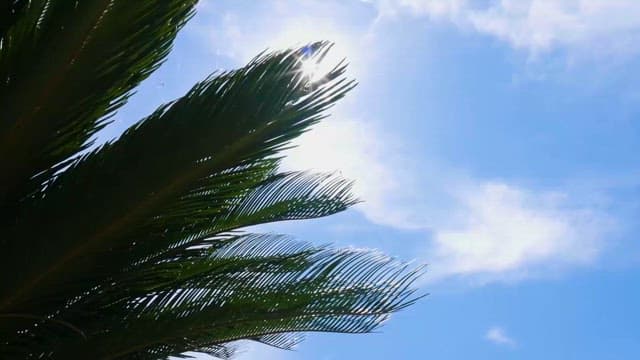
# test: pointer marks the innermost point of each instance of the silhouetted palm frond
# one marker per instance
(138, 249)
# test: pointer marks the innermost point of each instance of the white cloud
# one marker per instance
(433, 8)
(498, 336)
(289, 24)
(248, 350)
(510, 233)
(473, 228)
(605, 26)
(480, 230)
(358, 151)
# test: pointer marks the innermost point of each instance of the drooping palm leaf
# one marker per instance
(235, 119)
(65, 66)
(255, 286)
(136, 249)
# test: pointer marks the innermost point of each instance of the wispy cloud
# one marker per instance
(474, 229)
(247, 350)
(254, 351)
(536, 25)
(498, 336)
(477, 228)
(509, 232)
(355, 150)
(289, 23)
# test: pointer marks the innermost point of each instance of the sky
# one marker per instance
(494, 140)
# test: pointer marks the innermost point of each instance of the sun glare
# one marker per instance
(313, 70)
(315, 67)
(301, 33)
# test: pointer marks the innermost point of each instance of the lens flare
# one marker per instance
(313, 70)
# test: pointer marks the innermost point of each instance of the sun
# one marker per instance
(303, 32)
(313, 70)
(314, 67)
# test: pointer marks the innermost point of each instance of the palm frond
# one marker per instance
(234, 119)
(139, 249)
(259, 287)
(65, 67)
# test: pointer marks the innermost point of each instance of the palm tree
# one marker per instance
(138, 248)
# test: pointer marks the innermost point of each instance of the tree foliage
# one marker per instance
(138, 248)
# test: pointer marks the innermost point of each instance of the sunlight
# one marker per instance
(315, 70)
(313, 66)
(300, 33)
(311, 70)
(289, 33)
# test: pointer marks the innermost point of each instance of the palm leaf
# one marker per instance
(65, 67)
(237, 118)
(138, 249)
(255, 286)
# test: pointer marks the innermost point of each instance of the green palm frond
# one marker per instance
(139, 249)
(65, 67)
(255, 286)
(234, 119)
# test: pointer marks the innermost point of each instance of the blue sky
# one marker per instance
(494, 140)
